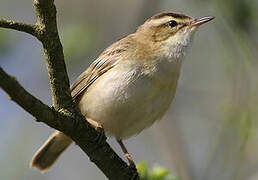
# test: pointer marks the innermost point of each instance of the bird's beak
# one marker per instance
(200, 21)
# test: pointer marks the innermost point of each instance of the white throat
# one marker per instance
(178, 45)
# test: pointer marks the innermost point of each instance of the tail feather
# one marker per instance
(49, 152)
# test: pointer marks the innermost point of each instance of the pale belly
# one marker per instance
(124, 102)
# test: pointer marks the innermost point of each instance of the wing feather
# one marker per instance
(91, 74)
(107, 60)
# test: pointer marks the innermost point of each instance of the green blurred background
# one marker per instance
(210, 131)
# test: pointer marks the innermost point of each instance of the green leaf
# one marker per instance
(142, 170)
(156, 173)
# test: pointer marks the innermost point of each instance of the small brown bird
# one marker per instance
(131, 84)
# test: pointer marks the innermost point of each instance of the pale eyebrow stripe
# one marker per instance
(158, 22)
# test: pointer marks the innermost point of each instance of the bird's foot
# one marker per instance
(100, 138)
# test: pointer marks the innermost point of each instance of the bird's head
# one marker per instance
(170, 33)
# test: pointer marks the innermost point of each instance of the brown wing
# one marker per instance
(108, 59)
(96, 69)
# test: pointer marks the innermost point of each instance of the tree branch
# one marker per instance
(28, 102)
(48, 35)
(81, 132)
(42, 113)
(65, 116)
(19, 26)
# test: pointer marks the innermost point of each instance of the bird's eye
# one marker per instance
(172, 23)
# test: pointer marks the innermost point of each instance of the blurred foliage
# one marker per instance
(3, 41)
(238, 12)
(155, 173)
(78, 40)
(241, 122)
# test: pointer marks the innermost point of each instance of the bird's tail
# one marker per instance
(49, 152)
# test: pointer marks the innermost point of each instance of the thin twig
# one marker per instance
(19, 26)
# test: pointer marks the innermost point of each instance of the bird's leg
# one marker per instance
(101, 135)
(127, 155)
